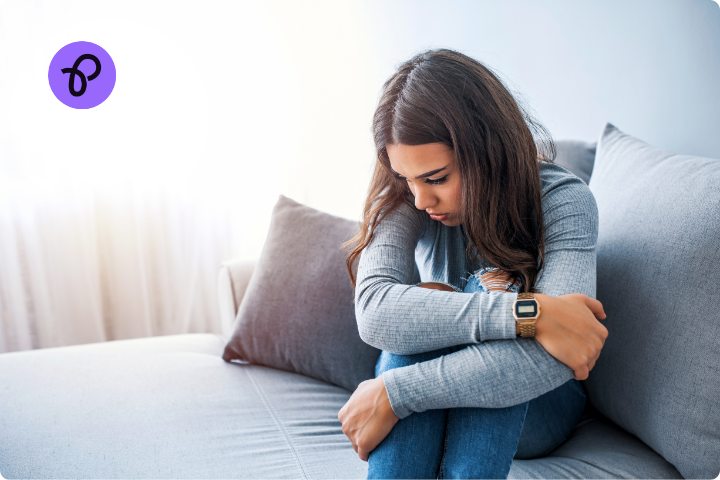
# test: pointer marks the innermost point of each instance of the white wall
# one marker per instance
(227, 103)
(651, 67)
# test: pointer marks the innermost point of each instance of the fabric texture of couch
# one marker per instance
(170, 407)
(285, 320)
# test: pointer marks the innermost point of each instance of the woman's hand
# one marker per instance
(367, 417)
(569, 330)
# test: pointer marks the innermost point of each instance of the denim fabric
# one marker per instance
(476, 282)
(473, 442)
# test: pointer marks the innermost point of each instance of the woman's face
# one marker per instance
(432, 175)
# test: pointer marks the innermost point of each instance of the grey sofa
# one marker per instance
(170, 407)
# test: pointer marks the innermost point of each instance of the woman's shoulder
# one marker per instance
(560, 186)
(553, 176)
(569, 208)
(564, 194)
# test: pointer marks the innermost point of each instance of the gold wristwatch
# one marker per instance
(526, 311)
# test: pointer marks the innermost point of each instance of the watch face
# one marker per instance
(526, 309)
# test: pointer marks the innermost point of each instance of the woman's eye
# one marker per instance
(436, 181)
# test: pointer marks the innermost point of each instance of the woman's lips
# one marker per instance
(439, 217)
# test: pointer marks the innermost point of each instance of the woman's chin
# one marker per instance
(450, 222)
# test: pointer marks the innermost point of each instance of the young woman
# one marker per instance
(465, 196)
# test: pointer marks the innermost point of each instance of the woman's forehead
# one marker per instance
(415, 160)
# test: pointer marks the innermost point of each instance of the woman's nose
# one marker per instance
(424, 200)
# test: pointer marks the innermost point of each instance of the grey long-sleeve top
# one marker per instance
(497, 369)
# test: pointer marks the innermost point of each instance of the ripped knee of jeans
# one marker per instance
(493, 279)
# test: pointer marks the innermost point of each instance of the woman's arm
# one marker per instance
(398, 317)
(395, 316)
(503, 373)
(369, 416)
(489, 374)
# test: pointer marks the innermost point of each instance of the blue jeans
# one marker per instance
(472, 442)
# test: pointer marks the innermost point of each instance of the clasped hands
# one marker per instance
(568, 329)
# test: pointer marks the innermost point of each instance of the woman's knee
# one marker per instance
(550, 419)
(481, 442)
(412, 449)
(390, 361)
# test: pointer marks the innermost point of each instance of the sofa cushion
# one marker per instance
(166, 407)
(597, 448)
(297, 313)
(658, 268)
(577, 157)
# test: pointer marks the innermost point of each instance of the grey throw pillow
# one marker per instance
(298, 313)
(658, 269)
(578, 157)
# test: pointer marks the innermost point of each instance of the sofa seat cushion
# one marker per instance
(166, 407)
(170, 407)
(597, 448)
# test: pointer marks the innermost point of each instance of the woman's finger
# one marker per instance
(582, 373)
(595, 307)
(598, 343)
(342, 412)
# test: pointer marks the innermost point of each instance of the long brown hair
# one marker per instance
(443, 96)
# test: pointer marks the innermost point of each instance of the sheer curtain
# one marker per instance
(114, 220)
(81, 265)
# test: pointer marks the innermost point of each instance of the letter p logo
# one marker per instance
(82, 75)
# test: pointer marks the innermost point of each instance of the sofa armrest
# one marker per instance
(232, 283)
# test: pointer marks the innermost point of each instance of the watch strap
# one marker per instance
(527, 330)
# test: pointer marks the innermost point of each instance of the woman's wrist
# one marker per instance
(569, 330)
(540, 299)
(395, 399)
(384, 401)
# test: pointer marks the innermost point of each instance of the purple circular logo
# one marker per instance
(82, 75)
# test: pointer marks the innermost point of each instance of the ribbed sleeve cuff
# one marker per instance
(497, 321)
(400, 409)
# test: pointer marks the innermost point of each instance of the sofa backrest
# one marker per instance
(233, 281)
(576, 156)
